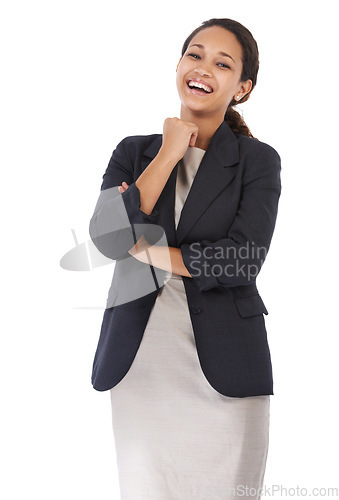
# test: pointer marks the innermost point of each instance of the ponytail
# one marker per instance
(237, 123)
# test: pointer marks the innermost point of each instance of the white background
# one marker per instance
(79, 76)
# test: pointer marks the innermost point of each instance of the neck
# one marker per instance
(207, 125)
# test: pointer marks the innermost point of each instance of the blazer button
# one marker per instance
(196, 309)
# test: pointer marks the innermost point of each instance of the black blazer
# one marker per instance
(224, 234)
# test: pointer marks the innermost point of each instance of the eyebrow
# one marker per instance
(220, 53)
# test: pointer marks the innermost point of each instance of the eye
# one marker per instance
(225, 65)
(193, 55)
(196, 56)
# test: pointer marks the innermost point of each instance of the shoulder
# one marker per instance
(254, 149)
(137, 143)
(259, 161)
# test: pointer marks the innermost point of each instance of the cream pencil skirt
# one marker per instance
(176, 437)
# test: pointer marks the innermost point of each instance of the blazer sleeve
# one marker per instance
(237, 259)
(111, 227)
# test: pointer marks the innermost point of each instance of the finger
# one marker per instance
(193, 139)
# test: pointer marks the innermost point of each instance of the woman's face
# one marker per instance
(219, 72)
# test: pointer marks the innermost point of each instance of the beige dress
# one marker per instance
(176, 437)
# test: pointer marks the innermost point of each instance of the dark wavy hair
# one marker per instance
(250, 66)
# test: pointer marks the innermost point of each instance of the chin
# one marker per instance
(194, 107)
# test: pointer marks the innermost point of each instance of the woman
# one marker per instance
(187, 364)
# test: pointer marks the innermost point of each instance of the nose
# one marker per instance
(202, 72)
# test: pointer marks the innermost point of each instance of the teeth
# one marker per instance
(200, 86)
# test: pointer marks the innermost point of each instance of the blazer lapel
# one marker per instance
(211, 178)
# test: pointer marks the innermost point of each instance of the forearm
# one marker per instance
(153, 179)
(162, 257)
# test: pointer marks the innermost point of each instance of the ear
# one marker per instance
(246, 87)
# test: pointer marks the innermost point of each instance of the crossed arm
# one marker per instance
(166, 258)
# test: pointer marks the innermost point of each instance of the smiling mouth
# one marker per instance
(198, 90)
